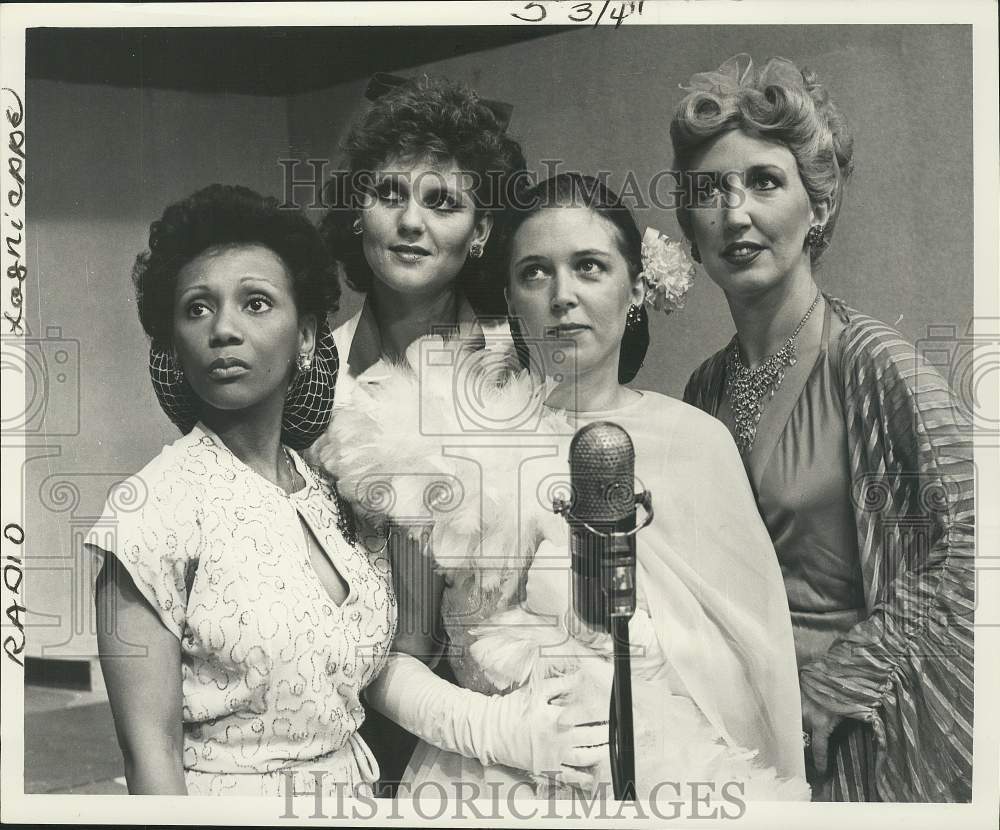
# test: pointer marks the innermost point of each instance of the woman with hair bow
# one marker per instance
(713, 671)
(428, 168)
(851, 443)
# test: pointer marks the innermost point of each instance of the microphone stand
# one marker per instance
(618, 588)
(615, 581)
(621, 736)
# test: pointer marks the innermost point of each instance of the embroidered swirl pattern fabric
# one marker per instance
(272, 668)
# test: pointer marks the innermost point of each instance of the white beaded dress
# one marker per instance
(272, 668)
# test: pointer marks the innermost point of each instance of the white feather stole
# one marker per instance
(394, 447)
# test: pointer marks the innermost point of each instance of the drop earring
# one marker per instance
(634, 317)
(173, 365)
(817, 237)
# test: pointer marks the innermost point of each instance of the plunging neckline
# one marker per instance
(350, 593)
(298, 499)
(757, 470)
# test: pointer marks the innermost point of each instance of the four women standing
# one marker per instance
(820, 399)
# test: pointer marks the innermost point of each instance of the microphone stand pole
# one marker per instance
(608, 588)
(621, 738)
(618, 588)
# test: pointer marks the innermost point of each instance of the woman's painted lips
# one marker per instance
(566, 330)
(227, 368)
(741, 254)
(409, 253)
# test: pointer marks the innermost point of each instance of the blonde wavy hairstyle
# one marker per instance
(778, 102)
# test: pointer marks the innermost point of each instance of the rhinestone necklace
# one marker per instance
(748, 390)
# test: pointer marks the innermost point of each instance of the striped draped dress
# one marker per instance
(905, 670)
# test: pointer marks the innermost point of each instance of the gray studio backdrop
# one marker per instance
(104, 160)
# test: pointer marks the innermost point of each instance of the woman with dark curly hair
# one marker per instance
(428, 167)
(852, 444)
(258, 618)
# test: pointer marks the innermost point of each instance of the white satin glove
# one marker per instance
(545, 729)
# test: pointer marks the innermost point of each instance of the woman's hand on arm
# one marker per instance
(909, 664)
(144, 689)
(921, 527)
(818, 724)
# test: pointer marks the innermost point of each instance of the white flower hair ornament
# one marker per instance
(667, 271)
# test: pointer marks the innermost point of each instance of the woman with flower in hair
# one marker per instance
(238, 619)
(713, 670)
(851, 444)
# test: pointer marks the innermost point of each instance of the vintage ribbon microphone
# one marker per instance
(601, 516)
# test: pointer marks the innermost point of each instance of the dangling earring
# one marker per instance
(309, 399)
(633, 318)
(476, 251)
(356, 228)
(817, 237)
(695, 253)
(177, 368)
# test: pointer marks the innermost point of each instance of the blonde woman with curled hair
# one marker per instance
(850, 442)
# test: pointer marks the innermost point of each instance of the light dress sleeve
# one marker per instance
(151, 525)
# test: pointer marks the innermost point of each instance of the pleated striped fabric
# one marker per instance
(906, 671)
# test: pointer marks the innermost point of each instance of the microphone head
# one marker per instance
(602, 473)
